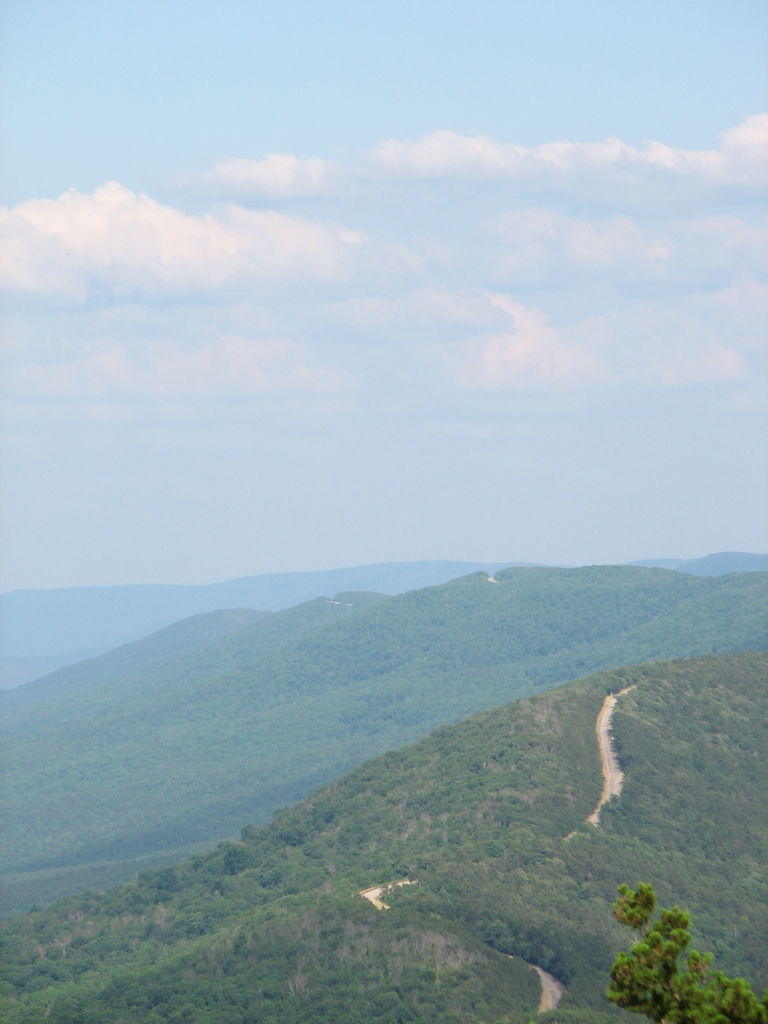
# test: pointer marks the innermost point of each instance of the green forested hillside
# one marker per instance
(151, 653)
(717, 564)
(36, 623)
(164, 760)
(487, 819)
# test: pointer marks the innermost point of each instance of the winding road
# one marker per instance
(374, 894)
(613, 776)
(551, 989)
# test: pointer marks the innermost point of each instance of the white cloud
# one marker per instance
(744, 152)
(444, 154)
(119, 242)
(666, 345)
(540, 243)
(541, 240)
(741, 159)
(275, 176)
(723, 245)
(542, 296)
(430, 309)
(705, 339)
(169, 370)
(531, 353)
(124, 242)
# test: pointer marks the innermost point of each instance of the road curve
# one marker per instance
(374, 894)
(613, 777)
(551, 990)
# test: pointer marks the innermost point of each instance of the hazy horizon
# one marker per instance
(459, 562)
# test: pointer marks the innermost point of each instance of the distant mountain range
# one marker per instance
(711, 565)
(487, 822)
(41, 630)
(141, 755)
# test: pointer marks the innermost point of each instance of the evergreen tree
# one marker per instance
(651, 980)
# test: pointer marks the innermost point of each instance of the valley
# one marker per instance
(104, 774)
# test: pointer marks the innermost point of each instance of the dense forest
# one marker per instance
(70, 623)
(135, 759)
(487, 820)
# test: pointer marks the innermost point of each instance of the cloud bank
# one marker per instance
(126, 243)
(741, 159)
(427, 263)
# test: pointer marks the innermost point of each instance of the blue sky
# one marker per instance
(302, 285)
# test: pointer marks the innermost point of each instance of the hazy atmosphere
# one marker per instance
(383, 512)
(302, 285)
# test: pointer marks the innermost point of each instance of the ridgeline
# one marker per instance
(109, 772)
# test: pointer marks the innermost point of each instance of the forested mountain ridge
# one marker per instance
(160, 762)
(717, 564)
(41, 630)
(168, 644)
(227, 639)
(488, 819)
(50, 622)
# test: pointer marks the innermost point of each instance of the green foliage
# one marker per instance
(651, 980)
(271, 928)
(104, 777)
(152, 652)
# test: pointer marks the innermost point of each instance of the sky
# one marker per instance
(299, 285)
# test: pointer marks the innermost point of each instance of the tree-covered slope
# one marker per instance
(36, 623)
(487, 818)
(41, 630)
(46, 713)
(163, 760)
(716, 564)
(724, 562)
(150, 653)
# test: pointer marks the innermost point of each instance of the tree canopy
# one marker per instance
(651, 979)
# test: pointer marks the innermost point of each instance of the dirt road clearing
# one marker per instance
(613, 777)
(551, 990)
(374, 894)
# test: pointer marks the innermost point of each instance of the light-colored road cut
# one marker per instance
(613, 777)
(374, 894)
(551, 990)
